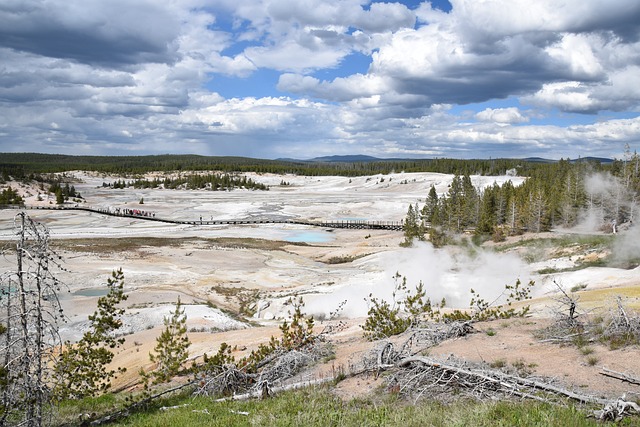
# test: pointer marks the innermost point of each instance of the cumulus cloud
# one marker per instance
(502, 115)
(295, 56)
(487, 50)
(341, 89)
(115, 33)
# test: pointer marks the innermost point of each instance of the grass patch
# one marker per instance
(318, 407)
(601, 262)
(117, 244)
(523, 368)
(344, 259)
(618, 341)
(73, 411)
(246, 299)
(536, 247)
(526, 243)
(592, 360)
(251, 243)
(586, 350)
(498, 363)
(594, 297)
(587, 241)
(579, 287)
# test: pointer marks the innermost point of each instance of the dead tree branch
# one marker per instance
(620, 376)
(616, 411)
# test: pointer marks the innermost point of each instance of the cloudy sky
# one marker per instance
(305, 78)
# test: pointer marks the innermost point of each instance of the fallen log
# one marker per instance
(620, 376)
(256, 394)
(509, 383)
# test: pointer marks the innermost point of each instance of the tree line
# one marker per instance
(9, 196)
(22, 165)
(210, 181)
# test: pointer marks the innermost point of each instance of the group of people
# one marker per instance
(127, 211)
(136, 212)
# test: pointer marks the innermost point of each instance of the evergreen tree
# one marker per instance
(431, 205)
(462, 204)
(453, 205)
(172, 346)
(412, 226)
(470, 203)
(9, 196)
(82, 367)
(538, 221)
(59, 197)
(488, 211)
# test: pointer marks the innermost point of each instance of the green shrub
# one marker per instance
(385, 319)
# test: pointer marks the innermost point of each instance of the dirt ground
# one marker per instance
(218, 271)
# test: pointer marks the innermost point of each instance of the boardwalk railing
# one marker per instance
(349, 224)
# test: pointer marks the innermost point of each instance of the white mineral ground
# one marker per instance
(201, 272)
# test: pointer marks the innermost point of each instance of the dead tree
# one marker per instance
(29, 316)
(623, 325)
(569, 322)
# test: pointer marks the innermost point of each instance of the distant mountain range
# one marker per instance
(337, 159)
(347, 159)
(602, 160)
(354, 158)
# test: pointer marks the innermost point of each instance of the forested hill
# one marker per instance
(22, 165)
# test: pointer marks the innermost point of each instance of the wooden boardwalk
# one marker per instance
(347, 224)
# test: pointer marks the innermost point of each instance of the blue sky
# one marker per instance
(306, 78)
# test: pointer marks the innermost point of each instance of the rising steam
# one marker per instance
(446, 273)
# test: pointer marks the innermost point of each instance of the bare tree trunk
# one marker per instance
(29, 326)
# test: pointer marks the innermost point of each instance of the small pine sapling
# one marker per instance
(172, 347)
(82, 367)
(385, 319)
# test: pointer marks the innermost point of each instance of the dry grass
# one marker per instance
(109, 245)
(602, 298)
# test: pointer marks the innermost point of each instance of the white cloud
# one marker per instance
(340, 89)
(576, 53)
(568, 96)
(307, 35)
(293, 56)
(502, 115)
(385, 17)
(486, 21)
(618, 93)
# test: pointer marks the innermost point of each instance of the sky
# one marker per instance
(306, 78)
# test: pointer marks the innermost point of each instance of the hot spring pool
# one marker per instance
(309, 237)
